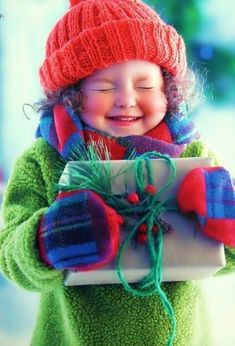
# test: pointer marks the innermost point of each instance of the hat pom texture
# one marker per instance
(94, 34)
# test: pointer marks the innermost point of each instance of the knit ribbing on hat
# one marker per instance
(95, 34)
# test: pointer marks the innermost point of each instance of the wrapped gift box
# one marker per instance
(187, 254)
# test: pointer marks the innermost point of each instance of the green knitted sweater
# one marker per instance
(86, 315)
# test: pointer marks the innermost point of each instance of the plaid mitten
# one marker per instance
(209, 192)
(79, 231)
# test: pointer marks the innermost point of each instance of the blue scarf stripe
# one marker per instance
(182, 128)
(76, 120)
(73, 142)
(186, 138)
(45, 126)
(47, 130)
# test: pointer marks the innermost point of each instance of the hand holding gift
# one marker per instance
(79, 231)
(209, 192)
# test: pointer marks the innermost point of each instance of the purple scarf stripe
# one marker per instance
(143, 144)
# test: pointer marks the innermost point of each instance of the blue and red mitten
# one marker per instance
(79, 232)
(210, 193)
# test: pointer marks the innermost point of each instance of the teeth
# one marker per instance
(124, 118)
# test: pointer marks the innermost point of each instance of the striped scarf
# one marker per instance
(63, 129)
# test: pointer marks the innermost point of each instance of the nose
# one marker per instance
(125, 98)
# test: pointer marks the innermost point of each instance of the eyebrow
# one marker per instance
(141, 79)
(102, 80)
(107, 80)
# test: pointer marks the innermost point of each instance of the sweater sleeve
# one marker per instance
(199, 149)
(27, 197)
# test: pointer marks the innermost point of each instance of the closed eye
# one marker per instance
(145, 88)
(103, 90)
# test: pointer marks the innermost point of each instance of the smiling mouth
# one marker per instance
(126, 119)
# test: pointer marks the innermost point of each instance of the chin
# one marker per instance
(126, 132)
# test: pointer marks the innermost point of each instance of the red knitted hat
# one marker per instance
(94, 34)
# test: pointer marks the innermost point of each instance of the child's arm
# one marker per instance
(25, 201)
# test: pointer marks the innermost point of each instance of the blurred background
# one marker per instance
(208, 28)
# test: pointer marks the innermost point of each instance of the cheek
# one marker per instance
(154, 105)
(96, 105)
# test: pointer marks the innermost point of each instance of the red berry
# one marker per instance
(151, 189)
(143, 228)
(141, 238)
(133, 198)
(154, 229)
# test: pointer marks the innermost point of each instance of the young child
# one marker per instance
(113, 72)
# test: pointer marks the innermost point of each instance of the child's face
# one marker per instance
(124, 99)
